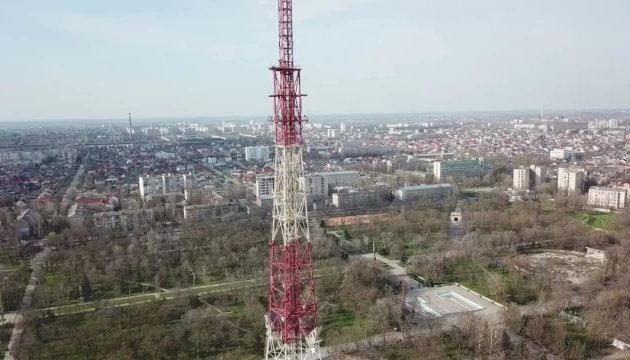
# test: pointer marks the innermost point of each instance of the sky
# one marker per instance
(78, 59)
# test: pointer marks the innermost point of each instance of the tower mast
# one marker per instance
(291, 319)
(130, 130)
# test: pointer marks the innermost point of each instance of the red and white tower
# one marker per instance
(291, 318)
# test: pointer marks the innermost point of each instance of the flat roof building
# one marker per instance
(461, 169)
(607, 197)
(427, 193)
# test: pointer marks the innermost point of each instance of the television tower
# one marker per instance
(130, 129)
(291, 318)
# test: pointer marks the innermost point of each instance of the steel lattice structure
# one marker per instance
(291, 318)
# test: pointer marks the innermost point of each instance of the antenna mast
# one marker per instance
(291, 319)
(130, 129)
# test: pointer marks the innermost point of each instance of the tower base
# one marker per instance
(276, 349)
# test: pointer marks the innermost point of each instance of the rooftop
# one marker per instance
(424, 186)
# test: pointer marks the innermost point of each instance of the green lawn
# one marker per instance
(598, 220)
(354, 327)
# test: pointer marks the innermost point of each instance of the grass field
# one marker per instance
(598, 220)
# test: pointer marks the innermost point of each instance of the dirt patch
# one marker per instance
(356, 219)
(567, 266)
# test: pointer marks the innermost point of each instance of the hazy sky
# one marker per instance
(102, 59)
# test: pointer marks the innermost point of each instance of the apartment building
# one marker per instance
(231, 190)
(460, 169)
(521, 179)
(561, 154)
(356, 148)
(209, 212)
(319, 184)
(571, 180)
(169, 183)
(264, 185)
(355, 199)
(125, 219)
(77, 215)
(427, 193)
(537, 175)
(257, 153)
(607, 197)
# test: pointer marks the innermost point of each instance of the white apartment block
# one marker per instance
(125, 219)
(318, 184)
(257, 153)
(537, 174)
(561, 154)
(571, 180)
(264, 185)
(165, 184)
(209, 212)
(520, 179)
(607, 197)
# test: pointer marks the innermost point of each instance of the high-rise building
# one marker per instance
(264, 185)
(520, 179)
(612, 123)
(331, 133)
(460, 169)
(607, 197)
(537, 175)
(571, 180)
(343, 128)
(257, 153)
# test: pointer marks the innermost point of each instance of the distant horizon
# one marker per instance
(324, 116)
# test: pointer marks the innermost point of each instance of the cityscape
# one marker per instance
(498, 235)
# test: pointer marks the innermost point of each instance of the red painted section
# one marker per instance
(291, 294)
(287, 95)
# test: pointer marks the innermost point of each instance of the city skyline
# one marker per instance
(187, 59)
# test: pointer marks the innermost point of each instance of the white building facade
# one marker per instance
(571, 180)
(607, 197)
(318, 184)
(537, 174)
(264, 185)
(257, 153)
(520, 179)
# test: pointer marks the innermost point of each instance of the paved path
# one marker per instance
(27, 300)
